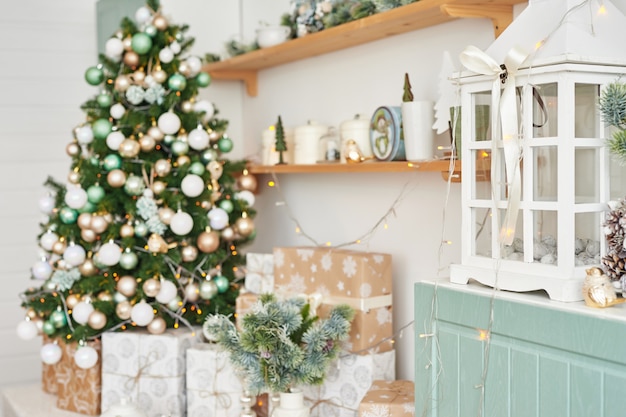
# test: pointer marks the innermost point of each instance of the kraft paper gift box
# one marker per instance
(49, 372)
(148, 369)
(348, 380)
(259, 273)
(390, 399)
(362, 280)
(213, 388)
(243, 304)
(79, 390)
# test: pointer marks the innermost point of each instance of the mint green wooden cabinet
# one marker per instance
(545, 358)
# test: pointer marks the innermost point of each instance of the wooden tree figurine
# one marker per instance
(281, 145)
(408, 94)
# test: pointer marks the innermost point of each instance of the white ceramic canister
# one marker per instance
(269, 156)
(306, 143)
(357, 129)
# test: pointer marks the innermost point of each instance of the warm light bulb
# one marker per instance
(539, 44)
(271, 183)
(272, 127)
(328, 244)
(602, 9)
(483, 334)
(297, 230)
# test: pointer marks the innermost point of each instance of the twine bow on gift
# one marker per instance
(504, 115)
(223, 400)
(133, 381)
(317, 400)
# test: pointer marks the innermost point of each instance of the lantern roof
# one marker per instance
(565, 31)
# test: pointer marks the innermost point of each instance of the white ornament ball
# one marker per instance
(75, 197)
(109, 254)
(167, 292)
(247, 196)
(169, 123)
(195, 65)
(46, 204)
(175, 47)
(143, 15)
(41, 270)
(81, 312)
(50, 353)
(192, 185)
(48, 239)
(181, 223)
(198, 139)
(114, 48)
(74, 255)
(218, 218)
(166, 55)
(142, 314)
(86, 357)
(115, 139)
(117, 111)
(84, 134)
(205, 106)
(27, 330)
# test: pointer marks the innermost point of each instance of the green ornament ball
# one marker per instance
(150, 30)
(104, 100)
(48, 328)
(227, 206)
(174, 305)
(129, 260)
(203, 79)
(101, 128)
(141, 43)
(180, 148)
(208, 156)
(177, 82)
(94, 161)
(134, 185)
(94, 76)
(68, 215)
(169, 139)
(197, 168)
(141, 229)
(89, 207)
(207, 290)
(222, 283)
(95, 193)
(225, 144)
(58, 318)
(112, 161)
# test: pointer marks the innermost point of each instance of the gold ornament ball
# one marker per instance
(160, 22)
(88, 268)
(184, 68)
(183, 160)
(186, 106)
(127, 285)
(158, 187)
(105, 296)
(245, 226)
(31, 313)
(88, 235)
(157, 326)
(189, 253)
(139, 77)
(59, 247)
(151, 287)
(208, 242)
(98, 224)
(214, 136)
(159, 76)
(162, 167)
(192, 292)
(206, 205)
(108, 217)
(228, 234)
(127, 230)
(73, 177)
(97, 320)
(129, 148)
(216, 169)
(71, 300)
(156, 133)
(116, 178)
(72, 149)
(84, 220)
(123, 309)
(131, 59)
(166, 214)
(127, 42)
(247, 182)
(122, 82)
(147, 143)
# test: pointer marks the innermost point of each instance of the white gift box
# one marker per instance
(213, 388)
(348, 380)
(149, 369)
(259, 273)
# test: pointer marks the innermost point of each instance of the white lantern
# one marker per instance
(558, 161)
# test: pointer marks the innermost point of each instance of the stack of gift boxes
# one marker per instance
(177, 374)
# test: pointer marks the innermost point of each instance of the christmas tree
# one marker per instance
(281, 145)
(146, 231)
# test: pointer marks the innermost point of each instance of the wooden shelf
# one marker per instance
(414, 16)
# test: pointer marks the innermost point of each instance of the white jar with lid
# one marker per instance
(306, 143)
(269, 155)
(357, 129)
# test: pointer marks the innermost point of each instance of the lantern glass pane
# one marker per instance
(617, 172)
(545, 247)
(480, 120)
(587, 238)
(586, 175)
(481, 230)
(515, 251)
(586, 113)
(545, 173)
(545, 111)
(482, 186)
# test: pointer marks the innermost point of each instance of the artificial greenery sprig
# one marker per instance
(281, 345)
(613, 110)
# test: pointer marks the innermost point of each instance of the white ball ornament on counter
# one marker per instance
(27, 330)
(74, 255)
(84, 134)
(167, 292)
(181, 223)
(85, 357)
(113, 49)
(82, 311)
(115, 139)
(218, 218)
(169, 123)
(142, 314)
(50, 353)
(109, 254)
(192, 185)
(198, 139)
(46, 204)
(166, 55)
(247, 196)
(41, 270)
(75, 197)
(117, 111)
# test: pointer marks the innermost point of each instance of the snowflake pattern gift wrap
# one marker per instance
(79, 389)
(348, 380)
(360, 279)
(259, 273)
(150, 369)
(389, 399)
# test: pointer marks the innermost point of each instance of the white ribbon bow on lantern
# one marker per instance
(504, 105)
